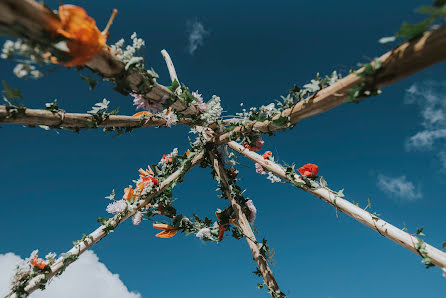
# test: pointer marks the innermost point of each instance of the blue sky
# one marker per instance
(53, 184)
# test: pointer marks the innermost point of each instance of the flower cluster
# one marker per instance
(201, 106)
(28, 268)
(127, 55)
(213, 111)
(258, 143)
(22, 48)
(141, 102)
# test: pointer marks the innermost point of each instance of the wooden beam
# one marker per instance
(262, 264)
(99, 233)
(387, 230)
(409, 57)
(29, 19)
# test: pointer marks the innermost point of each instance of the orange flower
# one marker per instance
(35, 262)
(168, 230)
(147, 175)
(128, 193)
(145, 113)
(187, 153)
(267, 154)
(309, 170)
(167, 158)
(84, 38)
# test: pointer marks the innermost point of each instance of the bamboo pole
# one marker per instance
(29, 19)
(406, 59)
(387, 230)
(262, 264)
(99, 233)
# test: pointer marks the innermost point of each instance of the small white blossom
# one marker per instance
(213, 110)
(273, 178)
(204, 233)
(259, 169)
(171, 117)
(253, 211)
(199, 104)
(117, 207)
(137, 218)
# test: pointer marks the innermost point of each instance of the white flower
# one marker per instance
(199, 103)
(171, 118)
(259, 169)
(213, 110)
(270, 109)
(253, 210)
(22, 70)
(137, 218)
(273, 178)
(204, 233)
(117, 207)
(444, 272)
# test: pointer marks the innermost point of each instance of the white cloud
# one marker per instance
(430, 96)
(398, 187)
(86, 278)
(196, 36)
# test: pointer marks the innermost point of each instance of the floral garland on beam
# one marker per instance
(307, 181)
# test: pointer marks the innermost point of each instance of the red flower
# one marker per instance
(167, 158)
(221, 232)
(35, 262)
(309, 170)
(267, 154)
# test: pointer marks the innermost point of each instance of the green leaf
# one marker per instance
(90, 80)
(280, 121)
(11, 93)
(420, 231)
(410, 31)
(174, 86)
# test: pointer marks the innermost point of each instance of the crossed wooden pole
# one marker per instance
(404, 60)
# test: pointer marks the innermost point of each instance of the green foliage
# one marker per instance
(52, 106)
(90, 80)
(410, 31)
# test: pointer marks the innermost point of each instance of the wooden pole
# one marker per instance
(387, 230)
(62, 119)
(262, 264)
(31, 19)
(99, 233)
(406, 59)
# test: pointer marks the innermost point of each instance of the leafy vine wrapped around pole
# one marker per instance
(38, 24)
(431, 255)
(28, 284)
(261, 261)
(406, 59)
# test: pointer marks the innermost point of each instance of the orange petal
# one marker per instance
(149, 171)
(145, 113)
(163, 226)
(128, 193)
(167, 234)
